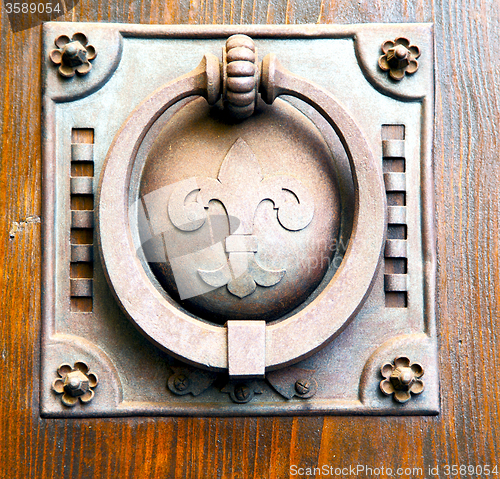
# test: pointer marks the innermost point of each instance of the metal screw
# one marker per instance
(242, 392)
(302, 386)
(399, 58)
(181, 382)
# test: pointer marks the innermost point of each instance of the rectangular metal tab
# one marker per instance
(396, 282)
(82, 185)
(396, 215)
(82, 219)
(395, 248)
(246, 349)
(82, 253)
(81, 287)
(82, 152)
(393, 148)
(395, 181)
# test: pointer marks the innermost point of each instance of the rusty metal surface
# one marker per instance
(339, 330)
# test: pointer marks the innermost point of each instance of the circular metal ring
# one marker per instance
(196, 341)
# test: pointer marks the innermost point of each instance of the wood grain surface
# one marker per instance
(467, 182)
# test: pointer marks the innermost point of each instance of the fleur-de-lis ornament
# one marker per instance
(241, 187)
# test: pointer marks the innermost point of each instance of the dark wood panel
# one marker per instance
(467, 181)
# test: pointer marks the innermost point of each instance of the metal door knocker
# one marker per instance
(240, 188)
(265, 228)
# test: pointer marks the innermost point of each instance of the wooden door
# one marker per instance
(467, 180)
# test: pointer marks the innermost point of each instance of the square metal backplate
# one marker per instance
(82, 321)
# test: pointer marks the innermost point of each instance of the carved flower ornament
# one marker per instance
(75, 383)
(399, 58)
(401, 379)
(73, 55)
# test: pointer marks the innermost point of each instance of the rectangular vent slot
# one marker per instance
(396, 263)
(82, 220)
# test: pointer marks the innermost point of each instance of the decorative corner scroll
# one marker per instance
(293, 381)
(369, 49)
(102, 57)
(242, 392)
(186, 380)
(241, 187)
